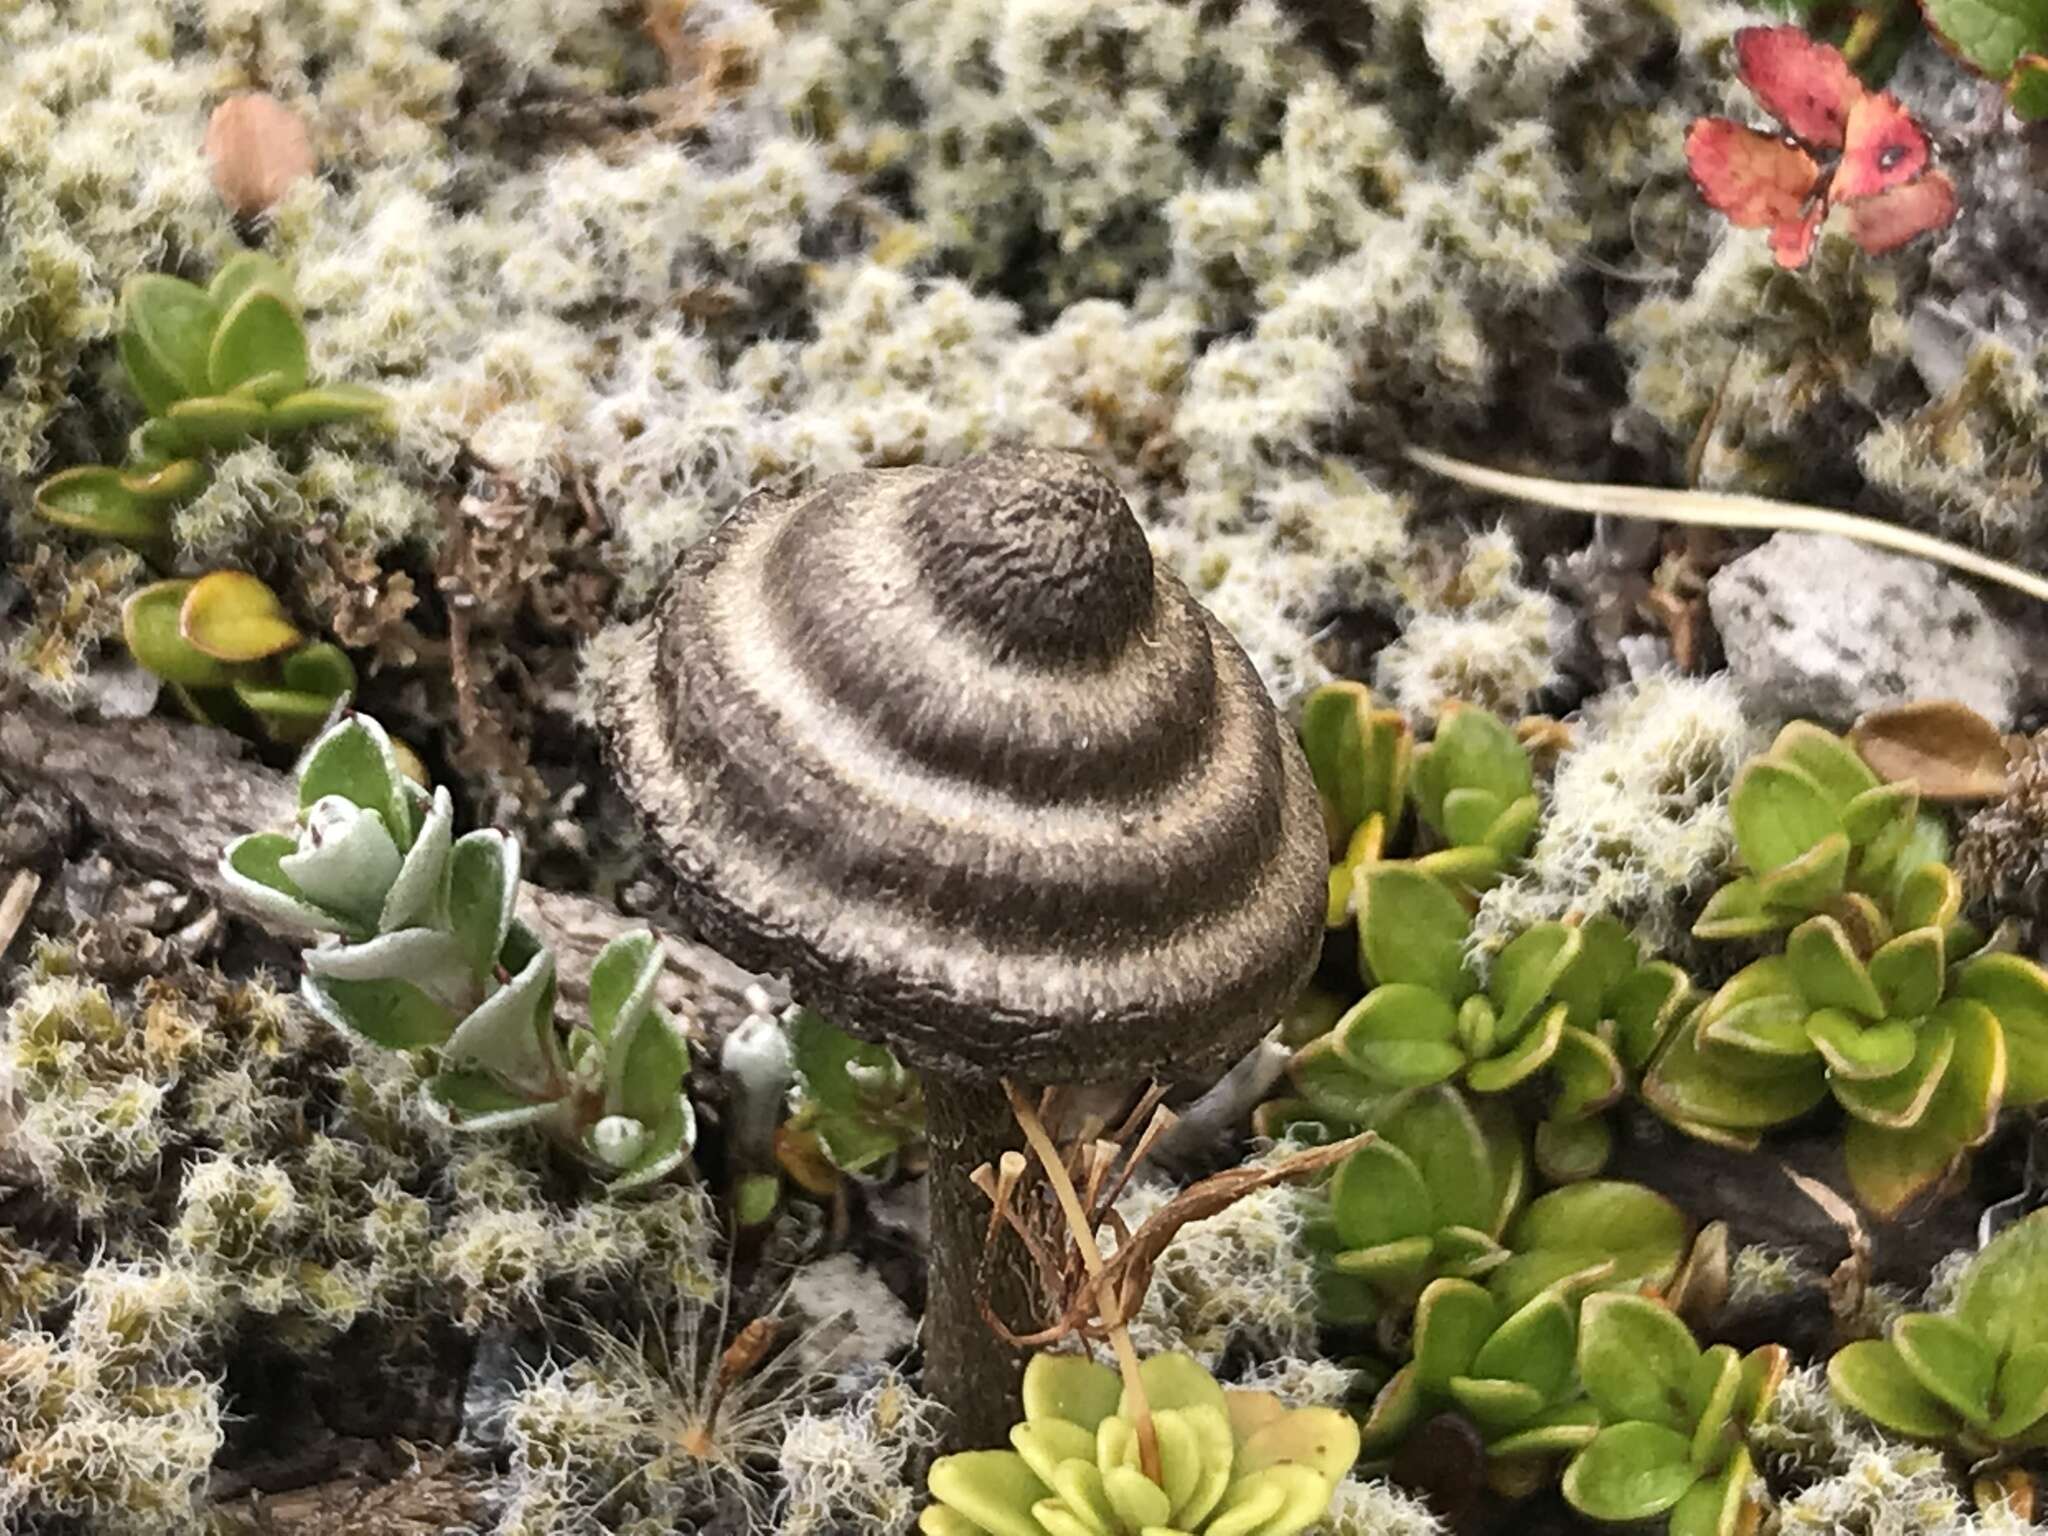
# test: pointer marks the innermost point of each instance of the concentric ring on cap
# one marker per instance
(1015, 804)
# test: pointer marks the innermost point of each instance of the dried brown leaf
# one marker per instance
(257, 147)
(1946, 748)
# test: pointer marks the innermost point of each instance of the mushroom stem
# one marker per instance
(1107, 1306)
(967, 1367)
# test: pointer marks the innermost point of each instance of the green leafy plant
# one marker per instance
(1475, 788)
(1441, 1191)
(1867, 1003)
(1360, 758)
(1975, 1378)
(1429, 1197)
(1223, 1462)
(430, 959)
(1510, 1373)
(1429, 1020)
(1673, 1419)
(855, 1101)
(215, 367)
(1820, 833)
(224, 647)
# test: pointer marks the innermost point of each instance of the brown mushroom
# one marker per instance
(949, 750)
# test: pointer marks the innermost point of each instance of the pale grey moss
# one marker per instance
(1232, 267)
(1637, 820)
(849, 1472)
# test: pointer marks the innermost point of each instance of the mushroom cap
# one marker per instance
(949, 750)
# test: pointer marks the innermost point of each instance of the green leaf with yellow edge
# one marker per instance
(1378, 1196)
(1869, 815)
(1991, 36)
(1536, 1345)
(1396, 1409)
(1453, 1320)
(1827, 971)
(1780, 813)
(1949, 1361)
(243, 271)
(1526, 974)
(1861, 1051)
(2016, 990)
(1767, 1028)
(1869, 1377)
(1437, 1131)
(1737, 911)
(1570, 1150)
(1587, 1074)
(1715, 1506)
(1413, 930)
(2026, 89)
(1712, 1395)
(1700, 1083)
(1358, 755)
(1523, 1059)
(1928, 896)
(1474, 749)
(1910, 972)
(1557, 1431)
(1888, 1167)
(1899, 1101)
(1810, 881)
(1617, 1233)
(216, 421)
(2003, 1292)
(167, 327)
(319, 668)
(1826, 758)
(1496, 1407)
(258, 335)
(93, 499)
(1645, 1009)
(1401, 1034)
(149, 627)
(232, 616)
(2022, 1394)
(1631, 1471)
(286, 714)
(1637, 1360)
(327, 405)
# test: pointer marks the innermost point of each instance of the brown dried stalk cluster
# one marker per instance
(1098, 1163)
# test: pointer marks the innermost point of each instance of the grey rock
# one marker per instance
(1824, 627)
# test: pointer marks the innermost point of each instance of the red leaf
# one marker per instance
(1889, 219)
(1805, 85)
(1792, 241)
(1755, 179)
(1885, 148)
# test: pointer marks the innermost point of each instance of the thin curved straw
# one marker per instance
(1717, 509)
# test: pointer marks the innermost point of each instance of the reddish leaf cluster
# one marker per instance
(1777, 181)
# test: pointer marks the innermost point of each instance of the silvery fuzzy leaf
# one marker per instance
(353, 759)
(345, 860)
(477, 1101)
(511, 1034)
(394, 1014)
(645, 1066)
(482, 885)
(417, 889)
(622, 980)
(667, 1144)
(250, 867)
(426, 957)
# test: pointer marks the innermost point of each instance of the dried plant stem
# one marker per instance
(1105, 1293)
(1718, 509)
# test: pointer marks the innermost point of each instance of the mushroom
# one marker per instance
(949, 750)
